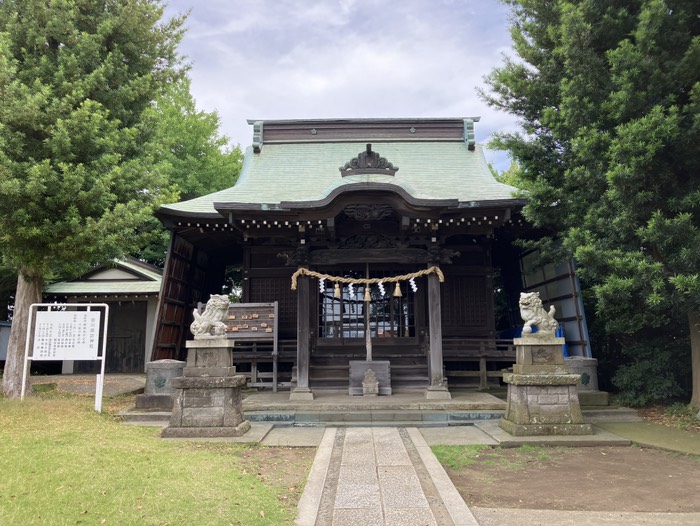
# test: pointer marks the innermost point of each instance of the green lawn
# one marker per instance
(62, 463)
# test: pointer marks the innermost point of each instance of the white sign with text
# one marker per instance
(72, 335)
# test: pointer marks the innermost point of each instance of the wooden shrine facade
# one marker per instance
(357, 199)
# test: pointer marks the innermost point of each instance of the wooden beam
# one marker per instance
(368, 255)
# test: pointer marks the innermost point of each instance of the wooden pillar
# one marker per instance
(302, 391)
(437, 389)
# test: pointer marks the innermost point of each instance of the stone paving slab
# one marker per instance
(401, 488)
(293, 437)
(356, 517)
(457, 436)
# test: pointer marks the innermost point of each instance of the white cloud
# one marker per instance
(277, 59)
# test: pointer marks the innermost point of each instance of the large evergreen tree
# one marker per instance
(608, 95)
(188, 144)
(77, 177)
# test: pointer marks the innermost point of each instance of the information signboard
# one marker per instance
(72, 335)
(67, 331)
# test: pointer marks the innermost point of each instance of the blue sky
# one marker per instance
(289, 59)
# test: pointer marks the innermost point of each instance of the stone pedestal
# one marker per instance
(159, 392)
(382, 371)
(542, 394)
(437, 392)
(588, 392)
(208, 402)
(209, 357)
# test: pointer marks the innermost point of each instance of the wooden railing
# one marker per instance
(456, 351)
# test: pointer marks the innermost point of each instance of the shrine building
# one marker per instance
(410, 207)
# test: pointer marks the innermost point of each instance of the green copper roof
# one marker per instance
(297, 164)
(310, 172)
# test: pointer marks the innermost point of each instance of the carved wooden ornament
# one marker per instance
(368, 162)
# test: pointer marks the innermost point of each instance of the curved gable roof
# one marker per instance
(291, 168)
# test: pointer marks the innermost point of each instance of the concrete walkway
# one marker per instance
(379, 476)
(389, 476)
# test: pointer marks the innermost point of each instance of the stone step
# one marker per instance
(336, 418)
(373, 417)
(610, 414)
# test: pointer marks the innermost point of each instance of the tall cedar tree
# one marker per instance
(76, 179)
(608, 95)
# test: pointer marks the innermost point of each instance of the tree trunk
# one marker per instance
(694, 322)
(29, 285)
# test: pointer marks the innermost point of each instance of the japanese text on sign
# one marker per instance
(72, 335)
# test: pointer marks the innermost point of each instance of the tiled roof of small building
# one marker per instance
(124, 277)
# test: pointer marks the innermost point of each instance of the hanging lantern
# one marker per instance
(397, 290)
(336, 290)
(368, 298)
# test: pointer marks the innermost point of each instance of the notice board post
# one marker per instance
(67, 331)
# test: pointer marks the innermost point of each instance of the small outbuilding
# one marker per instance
(131, 289)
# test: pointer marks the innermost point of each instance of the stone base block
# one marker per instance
(207, 407)
(154, 402)
(541, 379)
(300, 394)
(160, 374)
(545, 429)
(209, 357)
(539, 352)
(437, 393)
(543, 404)
(594, 398)
(209, 371)
(540, 369)
(587, 368)
(206, 432)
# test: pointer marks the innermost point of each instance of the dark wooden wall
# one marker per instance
(467, 294)
(267, 279)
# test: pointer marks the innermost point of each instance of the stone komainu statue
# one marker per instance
(532, 312)
(210, 322)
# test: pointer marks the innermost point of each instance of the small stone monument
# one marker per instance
(159, 392)
(542, 394)
(370, 384)
(381, 369)
(208, 400)
(588, 391)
